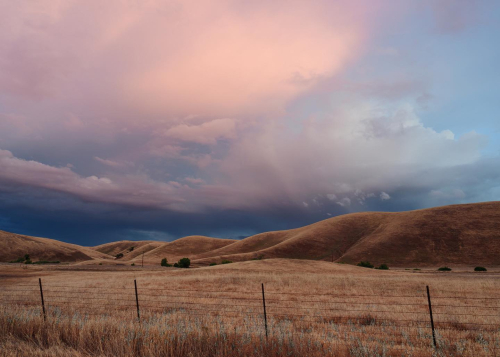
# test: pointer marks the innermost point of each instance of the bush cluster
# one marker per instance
(182, 263)
(444, 269)
(480, 269)
(119, 255)
(365, 264)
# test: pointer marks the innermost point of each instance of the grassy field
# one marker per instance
(313, 308)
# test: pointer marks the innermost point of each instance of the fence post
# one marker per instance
(43, 302)
(432, 320)
(137, 301)
(264, 304)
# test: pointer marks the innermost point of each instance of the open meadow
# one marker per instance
(312, 308)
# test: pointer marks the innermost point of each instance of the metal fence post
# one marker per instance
(432, 320)
(264, 304)
(43, 302)
(137, 301)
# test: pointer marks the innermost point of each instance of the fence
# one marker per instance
(426, 317)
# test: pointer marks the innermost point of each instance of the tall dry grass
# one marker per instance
(332, 311)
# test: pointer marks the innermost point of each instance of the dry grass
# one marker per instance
(205, 312)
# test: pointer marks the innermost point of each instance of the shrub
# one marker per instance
(47, 262)
(119, 255)
(225, 261)
(444, 269)
(184, 263)
(100, 263)
(480, 269)
(383, 267)
(164, 262)
(213, 263)
(365, 264)
(176, 265)
(133, 264)
(28, 261)
(131, 249)
(26, 257)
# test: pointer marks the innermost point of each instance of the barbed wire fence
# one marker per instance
(398, 318)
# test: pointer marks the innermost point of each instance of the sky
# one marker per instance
(160, 119)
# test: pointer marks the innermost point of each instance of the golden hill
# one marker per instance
(456, 235)
(190, 246)
(450, 235)
(13, 246)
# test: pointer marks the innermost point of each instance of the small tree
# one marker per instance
(383, 267)
(365, 264)
(480, 269)
(444, 269)
(184, 263)
(164, 262)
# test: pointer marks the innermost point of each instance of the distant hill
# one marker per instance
(450, 235)
(458, 234)
(13, 246)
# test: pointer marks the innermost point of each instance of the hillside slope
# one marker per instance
(459, 234)
(13, 246)
(190, 246)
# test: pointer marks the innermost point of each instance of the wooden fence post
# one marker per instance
(432, 320)
(265, 314)
(43, 302)
(137, 301)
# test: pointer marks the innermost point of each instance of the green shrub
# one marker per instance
(176, 265)
(184, 263)
(133, 264)
(383, 267)
(28, 261)
(47, 262)
(225, 261)
(444, 269)
(164, 262)
(365, 264)
(416, 269)
(100, 263)
(480, 269)
(119, 255)
(131, 249)
(27, 257)
(213, 263)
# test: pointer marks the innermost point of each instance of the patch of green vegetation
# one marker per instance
(133, 264)
(119, 255)
(480, 269)
(183, 263)
(226, 261)
(416, 269)
(444, 269)
(164, 263)
(47, 262)
(365, 264)
(212, 264)
(383, 267)
(131, 249)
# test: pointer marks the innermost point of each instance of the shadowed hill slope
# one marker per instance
(459, 234)
(13, 246)
(190, 247)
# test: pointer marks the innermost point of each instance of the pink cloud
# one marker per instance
(206, 133)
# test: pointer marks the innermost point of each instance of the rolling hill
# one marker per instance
(451, 235)
(458, 234)
(13, 246)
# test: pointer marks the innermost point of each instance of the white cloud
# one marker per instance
(384, 196)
